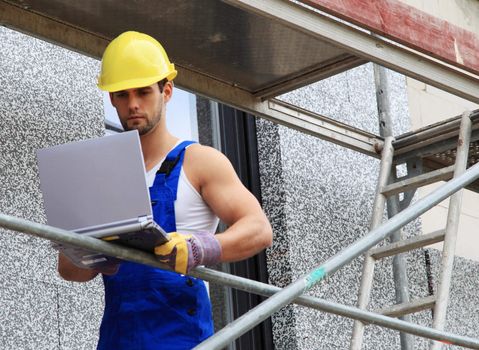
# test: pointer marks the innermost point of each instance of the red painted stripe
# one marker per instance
(409, 26)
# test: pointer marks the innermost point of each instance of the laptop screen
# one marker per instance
(94, 182)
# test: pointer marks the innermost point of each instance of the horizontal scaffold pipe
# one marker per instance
(258, 314)
(337, 309)
(232, 281)
(244, 284)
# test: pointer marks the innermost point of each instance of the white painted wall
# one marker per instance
(462, 13)
(429, 105)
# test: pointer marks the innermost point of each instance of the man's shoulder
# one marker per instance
(205, 158)
(204, 164)
(196, 150)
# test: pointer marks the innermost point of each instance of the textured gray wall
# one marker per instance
(47, 96)
(319, 198)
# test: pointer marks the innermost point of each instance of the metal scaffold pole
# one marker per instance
(401, 283)
(376, 219)
(452, 228)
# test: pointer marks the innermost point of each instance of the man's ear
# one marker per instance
(168, 90)
(111, 97)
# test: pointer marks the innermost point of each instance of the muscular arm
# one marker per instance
(249, 230)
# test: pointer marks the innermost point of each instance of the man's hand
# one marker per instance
(183, 252)
(109, 269)
(84, 259)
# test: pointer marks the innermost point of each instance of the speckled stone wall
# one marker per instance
(48, 96)
(319, 199)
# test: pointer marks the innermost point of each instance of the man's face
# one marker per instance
(140, 108)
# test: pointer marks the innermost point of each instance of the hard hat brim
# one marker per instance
(136, 83)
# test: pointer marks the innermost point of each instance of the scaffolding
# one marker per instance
(293, 293)
(442, 151)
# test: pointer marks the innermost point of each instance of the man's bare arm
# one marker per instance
(249, 230)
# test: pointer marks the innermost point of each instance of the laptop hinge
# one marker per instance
(143, 218)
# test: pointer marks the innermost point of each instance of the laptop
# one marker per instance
(98, 188)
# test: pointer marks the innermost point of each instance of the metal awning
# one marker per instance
(251, 52)
(241, 52)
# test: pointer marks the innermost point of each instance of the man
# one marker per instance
(145, 307)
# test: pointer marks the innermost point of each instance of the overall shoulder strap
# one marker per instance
(173, 158)
(164, 191)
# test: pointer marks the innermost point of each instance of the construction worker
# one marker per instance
(191, 187)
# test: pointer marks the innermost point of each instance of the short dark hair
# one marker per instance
(161, 84)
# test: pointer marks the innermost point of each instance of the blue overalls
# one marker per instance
(148, 308)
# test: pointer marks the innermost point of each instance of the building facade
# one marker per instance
(317, 195)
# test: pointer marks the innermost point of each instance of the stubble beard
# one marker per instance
(146, 128)
(149, 124)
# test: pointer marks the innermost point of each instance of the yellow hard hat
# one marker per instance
(134, 60)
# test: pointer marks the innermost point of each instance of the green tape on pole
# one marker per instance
(314, 277)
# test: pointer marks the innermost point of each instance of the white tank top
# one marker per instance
(191, 211)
